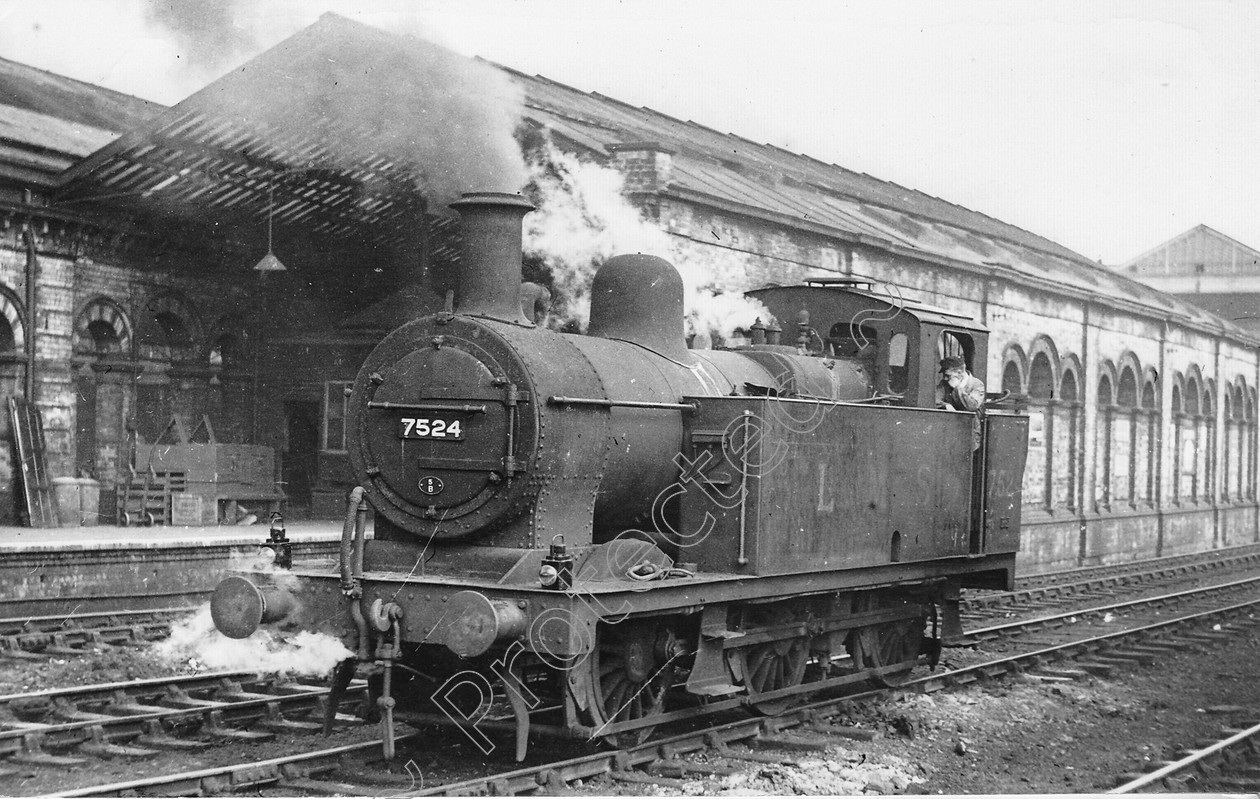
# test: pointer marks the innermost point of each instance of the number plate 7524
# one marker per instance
(428, 428)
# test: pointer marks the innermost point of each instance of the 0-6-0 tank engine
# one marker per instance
(608, 526)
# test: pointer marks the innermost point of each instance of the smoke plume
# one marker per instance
(583, 219)
(206, 30)
(377, 96)
(448, 118)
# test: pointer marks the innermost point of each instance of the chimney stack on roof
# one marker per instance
(647, 166)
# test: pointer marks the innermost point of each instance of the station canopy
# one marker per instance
(260, 143)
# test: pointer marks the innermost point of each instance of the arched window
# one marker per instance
(12, 326)
(167, 330)
(1147, 441)
(166, 336)
(1190, 423)
(1041, 377)
(1067, 442)
(1178, 430)
(1038, 474)
(1126, 395)
(1012, 381)
(1123, 450)
(1207, 416)
(101, 332)
(1249, 490)
(8, 338)
(1014, 367)
(1229, 456)
(1104, 461)
(101, 329)
(1238, 444)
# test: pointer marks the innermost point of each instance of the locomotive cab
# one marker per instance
(900, 342)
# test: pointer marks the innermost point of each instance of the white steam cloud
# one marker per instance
(196, 644)
(583, 219)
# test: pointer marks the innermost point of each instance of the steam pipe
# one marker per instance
(347, 540)
(360, 538)
(358, 610)
(351, 563)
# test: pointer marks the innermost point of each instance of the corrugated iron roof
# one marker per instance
(210, 156)
(57, 96)
(50, 134)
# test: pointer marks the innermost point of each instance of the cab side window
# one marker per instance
(898, 376)
(956, 345)
(847, 340)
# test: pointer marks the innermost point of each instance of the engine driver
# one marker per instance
(958, 389)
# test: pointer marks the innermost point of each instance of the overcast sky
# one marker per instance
(1108, 127)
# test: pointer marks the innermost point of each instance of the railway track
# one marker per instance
(1172, 563)
(22, 607)
(1230, 763)
(72, 728)
(1055, 589)
(38, 637)
(1100, 641)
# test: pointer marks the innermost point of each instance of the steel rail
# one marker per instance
(1188, 762)
(104, 690)
(129, 725)
(44, 636)
(1129, 604)
(718, 737)
(260, 772)
(62, 618)
(1250, 551)
(602, 763)
(1062, 584)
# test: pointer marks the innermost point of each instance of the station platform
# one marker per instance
(67, 570)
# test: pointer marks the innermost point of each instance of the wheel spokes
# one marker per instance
(631, 682)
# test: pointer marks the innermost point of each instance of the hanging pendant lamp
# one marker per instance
(269, 262)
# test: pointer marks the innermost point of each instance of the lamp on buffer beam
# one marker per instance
(269, 262)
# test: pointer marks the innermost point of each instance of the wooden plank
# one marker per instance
(28, 435)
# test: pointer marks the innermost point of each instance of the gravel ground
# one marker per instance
(1019, 734)
(1012, 735)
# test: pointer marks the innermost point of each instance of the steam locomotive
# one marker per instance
(603, 532)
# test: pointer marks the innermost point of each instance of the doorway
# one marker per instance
(300, 466)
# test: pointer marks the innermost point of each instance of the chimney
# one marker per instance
(490, 258)
(646, 166)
